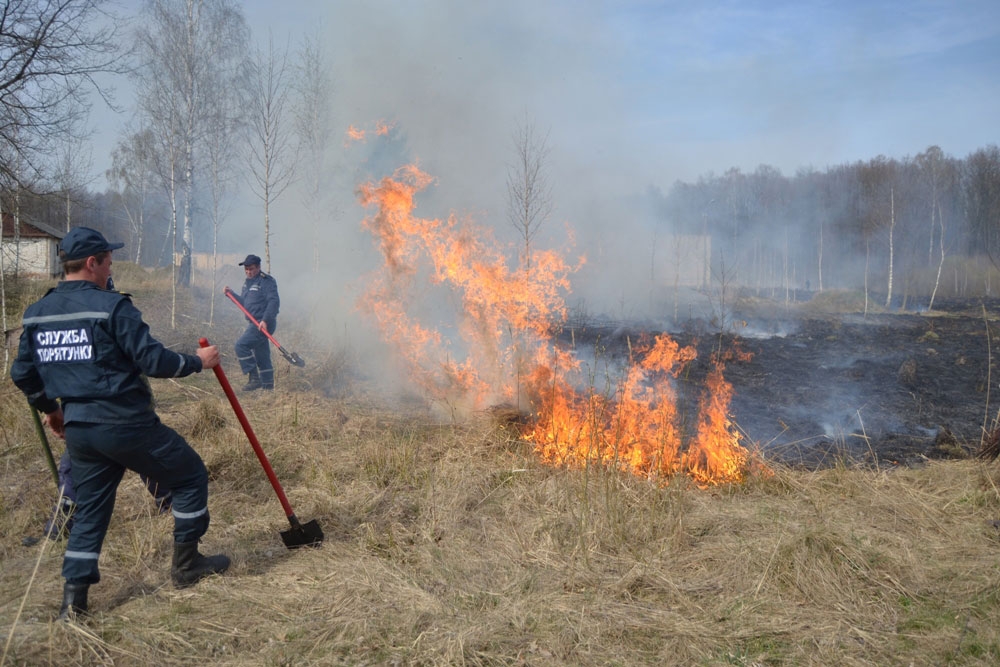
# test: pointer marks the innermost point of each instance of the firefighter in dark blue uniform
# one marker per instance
(253, 349)
(61, 522)
(90, 348)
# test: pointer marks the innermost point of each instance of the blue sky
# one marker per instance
(814, 83)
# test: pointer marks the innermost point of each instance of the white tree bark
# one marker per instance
(937, 279)
(892, 227)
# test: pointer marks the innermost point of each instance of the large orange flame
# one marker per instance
(506, 351)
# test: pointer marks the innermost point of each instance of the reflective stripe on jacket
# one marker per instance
(91, 349)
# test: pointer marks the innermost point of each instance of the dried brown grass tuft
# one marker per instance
(990, 449)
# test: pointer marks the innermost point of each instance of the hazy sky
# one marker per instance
(632, 93)
(657, 91)
(637, 92)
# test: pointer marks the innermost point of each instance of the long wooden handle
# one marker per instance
(232, 297)
(258, 450)
(290, 357)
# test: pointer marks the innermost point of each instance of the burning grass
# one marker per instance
(506, 348)
(454, 544)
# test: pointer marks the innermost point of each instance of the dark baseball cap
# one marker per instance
(82, 242)
(251, 260)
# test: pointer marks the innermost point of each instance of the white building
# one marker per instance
(33, 251)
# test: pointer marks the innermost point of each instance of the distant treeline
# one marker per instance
(911, 227)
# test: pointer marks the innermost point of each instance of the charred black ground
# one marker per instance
(888, 389)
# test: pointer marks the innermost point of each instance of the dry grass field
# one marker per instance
(452, 544)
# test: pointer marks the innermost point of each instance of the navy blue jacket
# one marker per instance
(90, 348)
(260, 298)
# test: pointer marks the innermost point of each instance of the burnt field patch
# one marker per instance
(886, 389)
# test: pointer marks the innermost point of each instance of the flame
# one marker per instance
(715, 455)
(636, 429)
(506, 348)
(505, 312)
(354, 134)
(382, 129)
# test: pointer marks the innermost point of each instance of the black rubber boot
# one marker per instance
(190, 567)
(254, 382)
(74, 601)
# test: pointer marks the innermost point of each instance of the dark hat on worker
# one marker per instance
(251, 260)
(81, 242)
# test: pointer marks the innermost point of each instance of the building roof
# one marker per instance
(33, 229)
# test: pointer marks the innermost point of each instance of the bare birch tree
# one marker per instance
(819, 262)
(74, 160)
(529, 204)
(892, 248)
(529, 192)
(314, 129)
(979, 199)
(877, 208)
(186, 50)
(938, 183)
(11, 189)
(166, 161)
(221, 153)
(131, 174)
(270, 146)
(930, 165)
(943, 251)
(50, 53)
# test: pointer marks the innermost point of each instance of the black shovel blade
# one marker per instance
(307, 534)
(292, 357)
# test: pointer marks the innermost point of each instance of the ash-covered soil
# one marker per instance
(888, 389)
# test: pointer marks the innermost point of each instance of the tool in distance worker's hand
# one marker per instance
(290, 357)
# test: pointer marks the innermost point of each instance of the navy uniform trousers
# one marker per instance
(100, 454)
(253, 351)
